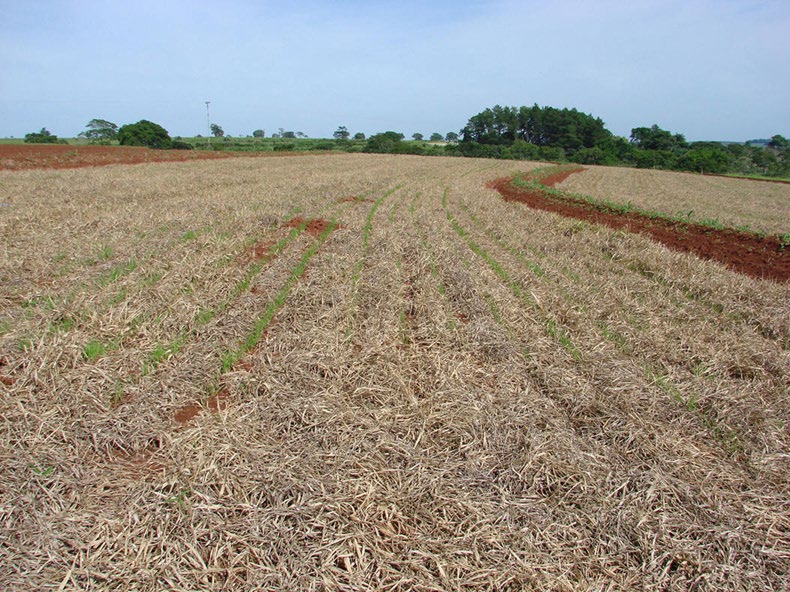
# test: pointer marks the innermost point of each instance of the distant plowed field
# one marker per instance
(371, 372)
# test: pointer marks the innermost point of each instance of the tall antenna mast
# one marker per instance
(208, 125)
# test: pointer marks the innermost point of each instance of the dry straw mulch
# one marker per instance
(455, 393)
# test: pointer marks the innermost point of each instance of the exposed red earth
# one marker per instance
(215, 403)
(355, 199)
(18, 157)
(314, 227)
(750, 254)
(262, 250)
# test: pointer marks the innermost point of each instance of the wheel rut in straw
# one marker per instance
(762, 257)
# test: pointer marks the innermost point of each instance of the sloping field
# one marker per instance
(760, 205)
(370, 372)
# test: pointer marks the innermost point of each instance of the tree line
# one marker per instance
(547, 133)
(517, 133)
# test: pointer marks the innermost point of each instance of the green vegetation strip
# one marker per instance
(533, 181)
(551, 327)
(356, 275)
(230, 358)
(163, 352)
(728, 437)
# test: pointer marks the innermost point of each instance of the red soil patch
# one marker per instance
(215, 403)
(259, 251)
(314, 228)
(759, 257)
(555, 179)
(4, 378)
(17, 157)
(355, 199)
(60, 156)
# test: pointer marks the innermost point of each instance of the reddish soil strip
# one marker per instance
(314, 227)
(17, 157)
(556, 178)
(759, 257)
(357, 199)
(215, 403)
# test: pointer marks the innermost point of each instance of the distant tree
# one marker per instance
(705, 158)
(417, 137)
(778, 142)
(289, 135)
(301, 135)
(341, 133)
(567, 129)
(41, 137)
(359, 136)
(451, 137)
(144, 133)
(594, 155)
(436, 137)
(100, 131)
(216, 131)
(259, 133)
(654, 138)
(385, 142)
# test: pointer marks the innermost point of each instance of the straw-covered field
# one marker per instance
(369, 372)
(758, 205)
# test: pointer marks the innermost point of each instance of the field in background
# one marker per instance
(370, 372)
(758, 205)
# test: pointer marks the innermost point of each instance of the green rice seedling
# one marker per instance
(93, 350)
(106, 252)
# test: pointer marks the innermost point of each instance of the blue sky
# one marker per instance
(710, 69)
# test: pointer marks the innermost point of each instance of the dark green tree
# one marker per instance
(258, 133)
(568, 129)
(451, 137)
(385, 142)
(436, 137)
(144, 133)
(655, 138)
(778, 142)
(41, 137)
(418, 137)
(359, 136)
(705, 157)
(341, 133)
(217, 131)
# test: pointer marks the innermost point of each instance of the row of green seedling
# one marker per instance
(356, 275)
(728, 437)
(557, 332)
